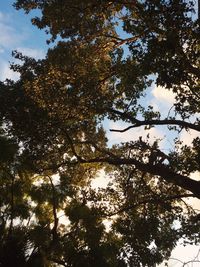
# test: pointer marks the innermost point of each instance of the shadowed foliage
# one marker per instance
(104, 58)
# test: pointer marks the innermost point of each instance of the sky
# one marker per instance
(17, 33)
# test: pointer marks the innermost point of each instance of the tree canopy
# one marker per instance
(103, 60)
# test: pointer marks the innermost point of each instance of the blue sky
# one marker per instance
(17, 32)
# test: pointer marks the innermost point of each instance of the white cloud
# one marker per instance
(194, 203)
(101, 180)
(7, 73)
(188, 136)
(163, 95)
(182, 254)
(12, 38)
(31, 52)
(9, 37)
(195, 176)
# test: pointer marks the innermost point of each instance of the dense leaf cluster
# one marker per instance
(103, 59)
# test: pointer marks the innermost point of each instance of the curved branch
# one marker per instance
(160, 170)
(138, 123)
(164, 172)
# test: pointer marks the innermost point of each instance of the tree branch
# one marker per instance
(54, 204)
(138, 123)
(119, 41)
(153, 200)
(161, 170)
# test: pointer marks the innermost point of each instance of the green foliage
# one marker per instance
(53, 143)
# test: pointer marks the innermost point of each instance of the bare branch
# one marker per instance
(138, 123)
(54, 204)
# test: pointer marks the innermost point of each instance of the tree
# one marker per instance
(101, 68)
